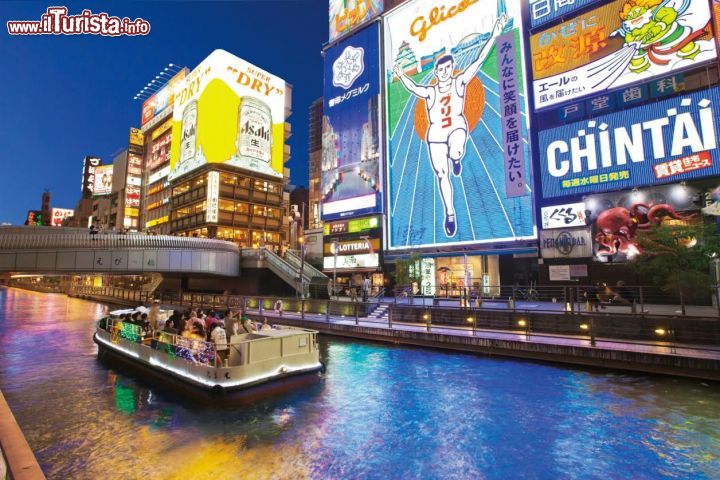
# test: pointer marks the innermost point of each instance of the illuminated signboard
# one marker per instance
(566, 243)
(345, 15)
(457, 166)
(361, 245)
(157, 221)
(229, 111)
(159, 175)
(351, 153)
(136, 137)
(544, 11)
(132, 196)
(213, 197)
(34, 218)
(160, 151)
(610, 46)
(103, 180)
(346, 262)
(563, 216)
(164, 127)
(667, 141)
(88, 178)
(161, 99)
(356, 225)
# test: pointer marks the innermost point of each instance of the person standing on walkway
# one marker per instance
(366, 288)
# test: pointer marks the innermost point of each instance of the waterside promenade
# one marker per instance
(664, 344)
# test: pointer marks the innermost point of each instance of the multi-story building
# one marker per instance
(226, 170)
(315, 153)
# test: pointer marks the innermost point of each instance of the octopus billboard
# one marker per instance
(617, 218)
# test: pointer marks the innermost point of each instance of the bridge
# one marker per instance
(54, 250)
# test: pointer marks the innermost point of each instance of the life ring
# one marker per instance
(278, 306)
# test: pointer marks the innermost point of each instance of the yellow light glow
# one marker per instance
(522, 323)
(660, 331)
(470, 319)
(583, 326)
(426, 316)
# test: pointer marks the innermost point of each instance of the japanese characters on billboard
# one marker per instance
(345, 15)
(88, 177)
(59, 214)
(103, 180)
(664, 142)
(544, 11)
(351, 149)
(619, 43)
(160, 151)
(161, 99)
(229, 111)
(563, 216)
(457, 166)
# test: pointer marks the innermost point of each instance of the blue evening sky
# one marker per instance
(64, 97)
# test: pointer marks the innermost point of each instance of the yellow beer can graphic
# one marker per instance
(254, 138)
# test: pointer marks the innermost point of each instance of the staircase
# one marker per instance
(379, 313)
(288, 268)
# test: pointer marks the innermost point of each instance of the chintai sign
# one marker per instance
(664, 142)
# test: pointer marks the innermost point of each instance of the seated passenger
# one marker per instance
(265, 325)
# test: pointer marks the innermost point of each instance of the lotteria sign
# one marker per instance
(664, 142)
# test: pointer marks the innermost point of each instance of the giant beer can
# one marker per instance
(254, 141)
(188, 137)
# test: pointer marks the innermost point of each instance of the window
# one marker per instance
(190, 210)
(228, 179)
(265, 186)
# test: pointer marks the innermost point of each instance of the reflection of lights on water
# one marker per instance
(284, 416)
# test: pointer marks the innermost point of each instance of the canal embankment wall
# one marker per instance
(17, 461)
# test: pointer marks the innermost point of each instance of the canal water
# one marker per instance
(380, 412)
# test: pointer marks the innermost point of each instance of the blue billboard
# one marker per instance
(544, 11)
(351, 151)
(663, 142)
(458, 169)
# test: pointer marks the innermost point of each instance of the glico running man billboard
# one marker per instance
(663, 142)
(350, 140)
(229, 111)
(457, 155)
(622, 42)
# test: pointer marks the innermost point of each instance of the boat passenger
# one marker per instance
(170, 326)
(154, 314)
(221, 347)
(265, 326)
(248, 325)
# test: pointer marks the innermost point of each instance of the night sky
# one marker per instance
(64, 97)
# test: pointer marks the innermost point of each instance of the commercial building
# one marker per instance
(315, 132)
(622, 154)
(226, 172)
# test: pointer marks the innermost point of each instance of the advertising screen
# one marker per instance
(229, 111)
(457, 166)
(664, 142)
(103, 180)
(59, 214)
(161, 99)
(351, 141)
(622, 42)
(34, 218)
(345, 15)
(136, 137)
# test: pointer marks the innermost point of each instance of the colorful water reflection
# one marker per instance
(381, 412)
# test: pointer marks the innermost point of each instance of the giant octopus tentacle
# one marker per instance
(656, 213)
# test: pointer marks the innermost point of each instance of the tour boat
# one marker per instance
(266, 361)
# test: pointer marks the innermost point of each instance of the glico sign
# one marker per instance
(457, 131)
(664, 142)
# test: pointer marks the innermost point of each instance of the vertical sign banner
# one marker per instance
(351, 150)
(453, 113)
(664, 142)
(345, 15)
(88, 179)
(512, 120)
(617, 44)
(213, 197)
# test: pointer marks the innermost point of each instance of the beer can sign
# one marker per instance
(254, 141)
(188, 139)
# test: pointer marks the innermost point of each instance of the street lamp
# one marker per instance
(471, 321)
(335, 254)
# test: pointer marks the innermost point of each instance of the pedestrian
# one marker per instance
(366, 288)
(592, 303)
(154, 314)
(623, 294)
(219, 338)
